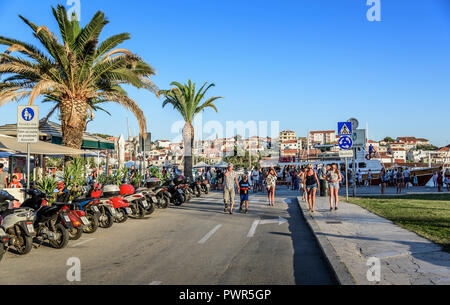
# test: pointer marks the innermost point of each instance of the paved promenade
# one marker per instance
(357, 235)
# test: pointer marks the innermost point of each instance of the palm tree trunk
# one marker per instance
(73, 122)
(188, 144)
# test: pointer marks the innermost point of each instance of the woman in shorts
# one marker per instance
(271, 182)
(301, 179)
(334, 177)
(312, 186)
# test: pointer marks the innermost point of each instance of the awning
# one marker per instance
(41, 148)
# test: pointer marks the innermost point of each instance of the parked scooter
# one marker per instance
(107, 210)
(78, 219)
(51, 222)
(87, 205)
(177, 195)
(110, 194)
(16, 226)
(196, 187)
(137, 201)
(161, 192)
(205, 186)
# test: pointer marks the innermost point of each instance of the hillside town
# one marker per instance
(317, 146)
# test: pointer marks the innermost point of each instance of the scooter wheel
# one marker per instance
(107, 220)
(93, 224)
(75, 233)
(2, 251)
(151, 208)
(164, 202)
(24, 244)
(123, 215)
(63, 239)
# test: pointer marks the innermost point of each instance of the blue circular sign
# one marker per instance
(345, 143)
(28, 114)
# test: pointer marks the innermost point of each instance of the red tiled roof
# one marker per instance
(325, 131)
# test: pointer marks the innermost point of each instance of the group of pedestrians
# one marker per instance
(308, 179)
(232, 182)
(441, 178)
(398, 177)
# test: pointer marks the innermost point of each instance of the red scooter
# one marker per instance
(109, 194)
(79, 222)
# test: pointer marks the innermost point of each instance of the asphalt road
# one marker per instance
(196, 244)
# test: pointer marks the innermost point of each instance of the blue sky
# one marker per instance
(305, 63)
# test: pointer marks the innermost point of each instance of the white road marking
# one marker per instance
(83, 242)
(211, 233)
(280, 221)
(155, 283)
(251, 233)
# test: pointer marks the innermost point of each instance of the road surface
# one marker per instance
(195, 244)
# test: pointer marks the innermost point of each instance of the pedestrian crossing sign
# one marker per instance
(345, 129)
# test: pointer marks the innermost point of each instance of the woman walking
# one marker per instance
(334, 177)
(271, 182)
(301, 179)
(312, 186)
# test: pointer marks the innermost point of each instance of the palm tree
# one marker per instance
(186, 101)
(76, 73)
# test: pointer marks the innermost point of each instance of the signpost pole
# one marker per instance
(28, 166)
(346, 177)
(354, 172)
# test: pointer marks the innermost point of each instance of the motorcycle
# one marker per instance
(16, 226)
(205, 186)
(51, 222)
(161, 192)
(196, 187)
(78, 219)
(137, 201)
(110, 194)
(87, 205)
(107, 211)
(177, 194)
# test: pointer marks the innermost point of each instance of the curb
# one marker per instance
(339, 269)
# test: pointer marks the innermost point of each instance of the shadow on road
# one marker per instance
(310, 268)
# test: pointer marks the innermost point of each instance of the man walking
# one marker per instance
(228, 190)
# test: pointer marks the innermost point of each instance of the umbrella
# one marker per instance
(222, 164)
(130, 164)
(201, 165)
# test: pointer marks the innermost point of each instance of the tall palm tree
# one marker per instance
(188, 102)
(76, 72)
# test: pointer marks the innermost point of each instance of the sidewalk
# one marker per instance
(356, 235)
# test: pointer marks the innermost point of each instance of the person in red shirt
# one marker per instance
(15, 183)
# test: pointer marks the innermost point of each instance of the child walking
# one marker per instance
(244, 187)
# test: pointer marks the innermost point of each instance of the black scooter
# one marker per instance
(50, 223)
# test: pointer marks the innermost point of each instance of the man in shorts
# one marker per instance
(230, 178)
(244, 187)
